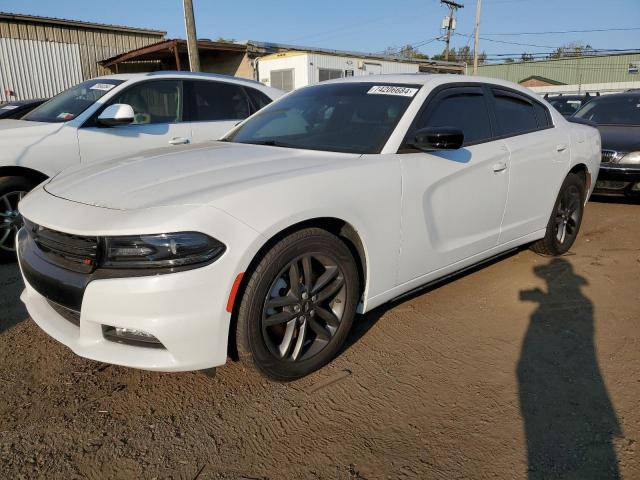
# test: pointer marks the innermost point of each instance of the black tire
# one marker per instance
(567, 214)
(315, 328)
(12, 189)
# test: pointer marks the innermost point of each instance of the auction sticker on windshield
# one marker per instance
(102, 86)
(392, 90)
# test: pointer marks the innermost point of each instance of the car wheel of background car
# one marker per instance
(566, 218)
(298, 305)
(12, 189)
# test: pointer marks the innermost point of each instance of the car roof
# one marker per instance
(183, 74)
(433, 79)
(177, 73)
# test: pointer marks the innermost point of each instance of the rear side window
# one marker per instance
(258, 99)
(463, 108)
(515, 114)
(542, 115)
(212, 101)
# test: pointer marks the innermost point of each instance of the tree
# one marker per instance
(508, 60)
(572, 49)
(408, 51)
(463, 55)
(526, 57)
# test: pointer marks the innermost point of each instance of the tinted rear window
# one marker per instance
(515, 114)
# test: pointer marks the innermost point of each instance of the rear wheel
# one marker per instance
(566, 218)
(298, 305)
(12, 189)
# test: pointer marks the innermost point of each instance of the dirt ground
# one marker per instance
(525, 368)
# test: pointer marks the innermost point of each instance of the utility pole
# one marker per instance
(453, 6)
(476, 35)
(192, 39)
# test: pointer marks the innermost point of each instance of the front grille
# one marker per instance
(610, 156)
(73, 252)
(68, 314)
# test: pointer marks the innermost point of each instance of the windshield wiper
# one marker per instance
(271, 143)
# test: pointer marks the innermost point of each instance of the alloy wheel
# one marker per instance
(10, 219)
(568, 214)
(304, 307)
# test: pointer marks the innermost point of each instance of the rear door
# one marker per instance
(539, 157)
(453, 201)
(215, 108)
(158, 107)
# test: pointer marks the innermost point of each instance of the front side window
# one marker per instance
(466, 110)
(328, 74)
(612, 110)
(71, 103)
(282, 79)
(154, 102)
(218, 101)
(515, 114)
(341, 117)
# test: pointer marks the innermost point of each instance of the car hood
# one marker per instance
(189, 175)
(21, 127)
(620, 137)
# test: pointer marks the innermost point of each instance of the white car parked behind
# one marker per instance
(115, 115)
(334, 199)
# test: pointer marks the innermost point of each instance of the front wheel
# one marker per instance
(298, 305)
(566, 218)
(12, 189)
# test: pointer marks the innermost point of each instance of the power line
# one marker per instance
(565, 31)
(506, 42)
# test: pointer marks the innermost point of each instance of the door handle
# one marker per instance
(561, 148)
(178, 141)
(499, 167)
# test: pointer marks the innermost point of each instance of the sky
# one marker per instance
(369, 25)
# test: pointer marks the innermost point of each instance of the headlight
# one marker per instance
(161, 250)
(632, 158)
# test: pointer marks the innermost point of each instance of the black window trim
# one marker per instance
(92, 122)
(489, 100)
(511, 93)
(190, 99)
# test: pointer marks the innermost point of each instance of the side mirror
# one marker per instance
(438, 138)
(116, 114)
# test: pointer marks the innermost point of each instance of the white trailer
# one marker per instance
(295, 69)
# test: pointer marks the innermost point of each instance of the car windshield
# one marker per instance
(69, 104)
(612, 110)
(349, 117)
(566, 106)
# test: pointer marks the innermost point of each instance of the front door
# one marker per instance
(453, 201)
(158, 107)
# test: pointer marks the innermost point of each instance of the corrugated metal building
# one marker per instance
(40, 56)
(295, 69)
(603, 73)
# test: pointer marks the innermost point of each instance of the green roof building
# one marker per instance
(603, 73)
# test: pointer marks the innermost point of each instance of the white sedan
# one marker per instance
(333, 200)
(115, 115)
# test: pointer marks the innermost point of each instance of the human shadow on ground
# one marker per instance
(569, 420)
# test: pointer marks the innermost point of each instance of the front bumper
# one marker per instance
(180, 309)
(617, 179)
(185, 311)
